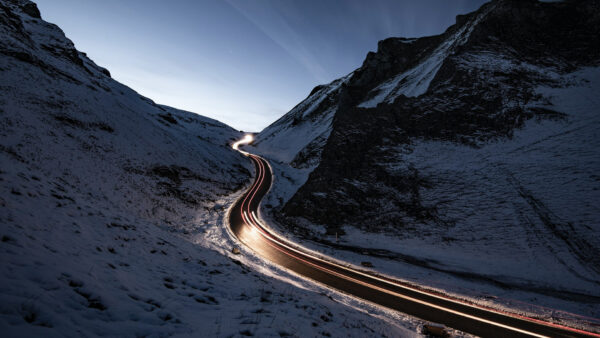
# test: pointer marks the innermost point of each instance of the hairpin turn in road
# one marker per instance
(410, 299)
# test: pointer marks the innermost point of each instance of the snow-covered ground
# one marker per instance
(415, 81)
(113, 209)
(511, 200)
(304, 129)
(523, 212)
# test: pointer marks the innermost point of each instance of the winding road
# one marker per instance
(430, 306)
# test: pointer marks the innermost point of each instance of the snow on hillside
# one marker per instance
(415, 81)
(293, 143)
(304, 128)
(112, 212)
(485, 185)
(527, 236)
(532, 218)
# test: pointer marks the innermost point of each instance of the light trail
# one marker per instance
(255, 231)
(246, 140)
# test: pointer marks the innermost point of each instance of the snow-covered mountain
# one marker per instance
(467, 161)
(112, 211)
(299, 136)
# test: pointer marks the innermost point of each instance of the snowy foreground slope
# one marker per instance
(466, 161)
(112, 211)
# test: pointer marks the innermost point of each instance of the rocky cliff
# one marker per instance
(479, 142)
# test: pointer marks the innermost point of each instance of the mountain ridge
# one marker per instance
(112, 211)
(396, 55)
(449, 165)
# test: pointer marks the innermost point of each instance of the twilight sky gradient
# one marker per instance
(242, 62)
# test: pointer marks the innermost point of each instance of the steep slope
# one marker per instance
(112, 208)
(65, 120)
(299, 136)
(471, 155)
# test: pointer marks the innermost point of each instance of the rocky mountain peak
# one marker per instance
(469, 84)
(434, 135)
(25, 6)
(479, 139)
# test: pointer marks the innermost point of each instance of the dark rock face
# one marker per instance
(32, 10)
(469, 102)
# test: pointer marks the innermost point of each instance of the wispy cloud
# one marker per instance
(272, 21)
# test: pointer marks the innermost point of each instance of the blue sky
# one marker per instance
(244, 63)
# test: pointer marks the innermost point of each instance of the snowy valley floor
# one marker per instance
(81, 270)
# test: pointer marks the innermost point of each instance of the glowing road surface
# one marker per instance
(459, 314)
